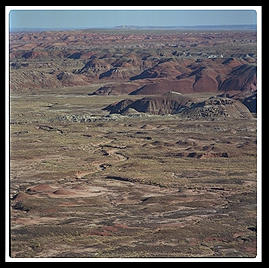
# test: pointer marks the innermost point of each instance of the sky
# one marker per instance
(110, 18)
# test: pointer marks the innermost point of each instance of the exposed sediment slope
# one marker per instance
(243, 78)
(177, 103)
(169, 103)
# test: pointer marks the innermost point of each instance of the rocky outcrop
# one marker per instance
(249, 99)
(176, 103)
(217, 108)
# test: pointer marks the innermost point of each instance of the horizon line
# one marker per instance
(137, 27)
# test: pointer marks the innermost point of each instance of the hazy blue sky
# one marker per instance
(111, 18)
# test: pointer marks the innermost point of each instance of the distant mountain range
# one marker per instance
(245, 27)
(194, 27)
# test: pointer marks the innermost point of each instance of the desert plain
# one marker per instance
(133, 144)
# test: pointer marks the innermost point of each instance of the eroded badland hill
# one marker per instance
(133, 144)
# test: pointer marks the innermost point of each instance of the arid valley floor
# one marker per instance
(101, 165)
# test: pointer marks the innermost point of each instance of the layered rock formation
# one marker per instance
(176, 103)
(155, 62)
